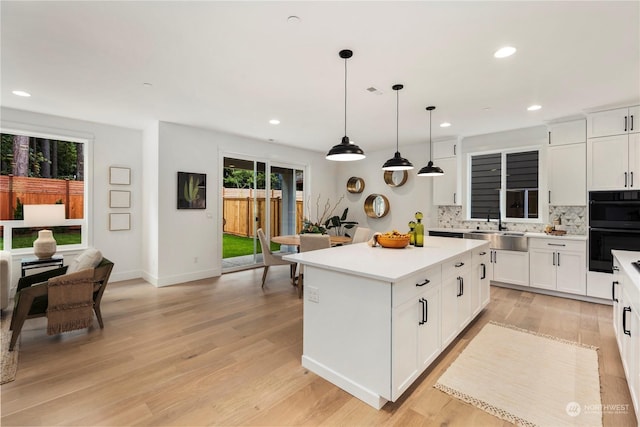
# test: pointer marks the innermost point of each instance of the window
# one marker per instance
(514, 172)
(41, 170)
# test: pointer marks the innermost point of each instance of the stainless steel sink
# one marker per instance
(505, 240)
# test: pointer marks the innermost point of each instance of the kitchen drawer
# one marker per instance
(456, 266)
(557, 244)
(481, 255)
(415, 284)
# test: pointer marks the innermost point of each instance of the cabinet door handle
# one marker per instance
(624, 320)
(549, 196)
(421, 300)
(454, 198)
(615, 268)
(549, 137)
(425, 311)
(484, 271)
(631, 128)
(454, 145)
(495, 257)
(558, 258)
(556, 244)
(631, 174)
(613, 291)
(426, 282)
(459, 286)
(625, 179)
(554, 258)
(460, 264)
(625, 123)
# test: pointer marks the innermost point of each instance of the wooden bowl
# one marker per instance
(397, 241)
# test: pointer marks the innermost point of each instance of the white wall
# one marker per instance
(189, 241)
(110, 146)
(415, 195)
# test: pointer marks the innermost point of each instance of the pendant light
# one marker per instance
(345, 151)
(430, 169)
(397, 162)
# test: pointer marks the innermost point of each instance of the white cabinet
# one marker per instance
(567, 174)
(445, 148)
(613, 162)
(416, 327)
(626, 322)
(572, 132)
(558, 264)
(480, 292)
(446, 188)
(456, 297)
(613, 149)
(509, 267)
(620, 121)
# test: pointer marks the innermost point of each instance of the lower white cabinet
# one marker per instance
(626, 322)
(479, 280)
(456, 296)
(509, 267)
(558, 265)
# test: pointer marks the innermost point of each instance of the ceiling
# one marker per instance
(233, 66)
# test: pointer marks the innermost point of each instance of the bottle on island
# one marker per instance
(412, 233)
(419, 230)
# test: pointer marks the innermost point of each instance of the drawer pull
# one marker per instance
(556, 244)
(426, 282)
(482, 253)
(460, 264)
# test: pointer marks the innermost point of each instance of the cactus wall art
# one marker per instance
(192, 190)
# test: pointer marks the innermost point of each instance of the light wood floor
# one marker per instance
(225, 352)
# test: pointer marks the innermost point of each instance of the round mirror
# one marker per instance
(376, 206)
(395, 178)
(355, 185)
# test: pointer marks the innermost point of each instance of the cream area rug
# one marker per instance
(527, 378)
(9, 359)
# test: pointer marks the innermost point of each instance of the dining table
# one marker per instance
(294, 240)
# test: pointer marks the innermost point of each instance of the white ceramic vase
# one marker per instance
(45, 245)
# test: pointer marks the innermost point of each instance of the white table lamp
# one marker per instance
(44, 216)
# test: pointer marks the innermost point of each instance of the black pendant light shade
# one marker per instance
(397, 162)
(345, 151)
(430, 169)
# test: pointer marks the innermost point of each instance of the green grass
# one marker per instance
(233, 246)
(26, 240)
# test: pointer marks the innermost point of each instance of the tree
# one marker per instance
(20, 155)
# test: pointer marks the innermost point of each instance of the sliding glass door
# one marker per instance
(253, 199)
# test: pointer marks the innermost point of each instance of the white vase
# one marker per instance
(45, 245)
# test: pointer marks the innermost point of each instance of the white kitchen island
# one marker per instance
(376, 318)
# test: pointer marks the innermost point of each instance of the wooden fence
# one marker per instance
(32, 191)
(238, 215)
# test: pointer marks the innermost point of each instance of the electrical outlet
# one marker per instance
(313, 294)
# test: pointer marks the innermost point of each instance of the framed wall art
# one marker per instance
(119, 176)
(119, 199)
(192, 190)
(119, 221)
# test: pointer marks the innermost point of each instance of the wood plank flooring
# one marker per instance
(224, 351)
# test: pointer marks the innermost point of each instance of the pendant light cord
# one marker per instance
(397, 118)
(430, 154)
(345, 97)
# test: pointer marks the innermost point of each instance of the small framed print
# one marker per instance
(119, 221)
(119, 176)
(119, 199)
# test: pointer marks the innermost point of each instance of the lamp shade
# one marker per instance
(345, 151)
(43, 215)
(430, 170)
(397, 163)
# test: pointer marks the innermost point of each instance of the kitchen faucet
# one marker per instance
(500, 226)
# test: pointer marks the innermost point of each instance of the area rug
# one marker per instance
(527, 378)
(9, 359)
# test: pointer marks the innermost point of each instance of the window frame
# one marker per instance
(86, 223)
(503, 184)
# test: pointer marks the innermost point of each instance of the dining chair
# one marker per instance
(269, 258)
(311, 242)
(361, 235)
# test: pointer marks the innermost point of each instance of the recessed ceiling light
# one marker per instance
(486, 109)
(147, 84)
(293, 19)
(274, 121)
(445, 124)
(21, 93)
(503, 52)
(534, 107)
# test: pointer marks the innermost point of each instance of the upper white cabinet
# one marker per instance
(613, 162)
(445, 148)
(446, 188)
(567, 174)
(613, 149)
(572, 132)
(620, 121)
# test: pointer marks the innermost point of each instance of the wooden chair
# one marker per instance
(361, 235)
(311, 242)
(32, 300)
(269, 258)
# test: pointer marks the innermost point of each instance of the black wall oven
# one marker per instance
(614, 223)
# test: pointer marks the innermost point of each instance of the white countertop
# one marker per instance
(389, 265)
(582, 237)
(626, 258)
